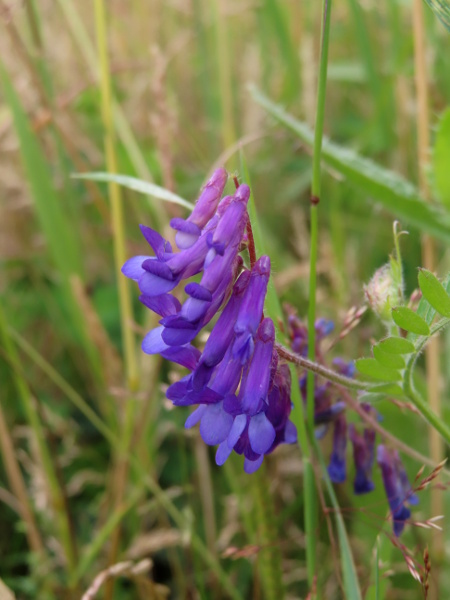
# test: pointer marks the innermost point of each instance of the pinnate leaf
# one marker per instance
(433, 291)
(372, 368)
(408, 320)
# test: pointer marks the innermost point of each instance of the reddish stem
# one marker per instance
(251, 243)
(251, 239)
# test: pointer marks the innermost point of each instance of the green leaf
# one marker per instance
(138, 185)
(434, 292)
(426, 311)
(392, 389)
(395, 193)
(393, 361)
(441, 159)
(396, 345)
(372, 368)
(408, 320)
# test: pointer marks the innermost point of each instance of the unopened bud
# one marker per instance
(383, 292)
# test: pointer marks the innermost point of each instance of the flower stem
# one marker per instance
(309, 492)
(423, 407)
(319, 369)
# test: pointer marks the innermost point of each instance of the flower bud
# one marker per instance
(383, 292)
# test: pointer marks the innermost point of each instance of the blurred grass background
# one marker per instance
(73, 407)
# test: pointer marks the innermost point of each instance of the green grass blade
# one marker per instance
(395, 193)
(351, 585)
(60, 237)
(441, 9)
(138, 185)
(277, 19)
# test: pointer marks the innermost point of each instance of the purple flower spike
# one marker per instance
(337, 468)
(389, 463)
(251, 309)
(363, 456)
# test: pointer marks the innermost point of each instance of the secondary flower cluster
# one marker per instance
(330, 411)
(242, 392)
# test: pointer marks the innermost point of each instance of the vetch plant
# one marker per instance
(239, 382)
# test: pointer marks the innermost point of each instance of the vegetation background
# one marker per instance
(95, 465)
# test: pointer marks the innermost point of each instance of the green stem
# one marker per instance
(270, 567)
(126, 313)
(318, 369)
(315, 198)
(309, 489)
(423, 407)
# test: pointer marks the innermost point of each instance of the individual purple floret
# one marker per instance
(396, 485)
(363, 457)
(189, 230)
(337, 469)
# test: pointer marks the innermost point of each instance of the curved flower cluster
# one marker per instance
(329, 411)
(242, 393)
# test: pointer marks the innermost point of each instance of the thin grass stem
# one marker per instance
(309, 488)
(432, 351)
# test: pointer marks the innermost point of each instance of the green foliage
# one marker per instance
(441, 9)
(143, 187)
(396, 345)
(394, 361)
(441, 159)
(167, 112)
(408, 320)
(395, 193)
(434, 293)
(375, 369)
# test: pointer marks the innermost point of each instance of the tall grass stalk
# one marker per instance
(123, 128)
(309, 490)
(432, 351)
(120, 475)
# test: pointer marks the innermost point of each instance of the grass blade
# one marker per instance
(395, 193)
(351, 585)
(61, 241)
(138, 185)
